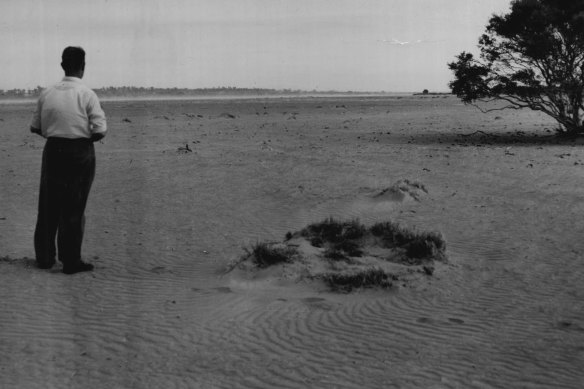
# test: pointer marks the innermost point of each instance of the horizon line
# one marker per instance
(233, 88)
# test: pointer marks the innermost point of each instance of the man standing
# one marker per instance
(69, 115)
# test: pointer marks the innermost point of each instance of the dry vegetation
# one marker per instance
(350, 255)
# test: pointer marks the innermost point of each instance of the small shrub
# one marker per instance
(316, 241)
(426, 245)
(335, 255)
(367, 278)
(353, 230)
(391, 233)
(328, 230)
(419, 248)
(380, 229)
(418, 245)
(265, 254)
(334, 231)
(341, 239)
(385, 229)
(437, 239)
(402, 236)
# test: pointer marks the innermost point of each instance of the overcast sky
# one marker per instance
(360, 45)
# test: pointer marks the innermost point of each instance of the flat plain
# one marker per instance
(164, 220)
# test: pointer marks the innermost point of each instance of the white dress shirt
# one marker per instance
(69, 109)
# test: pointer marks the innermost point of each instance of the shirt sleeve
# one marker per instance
(36, 118)
(96, 116)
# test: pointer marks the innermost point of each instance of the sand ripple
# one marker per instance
(506, 311)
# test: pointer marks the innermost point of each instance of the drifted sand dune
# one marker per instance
(505, 311)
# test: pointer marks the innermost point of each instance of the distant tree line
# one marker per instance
(133, 91)
(21, 92)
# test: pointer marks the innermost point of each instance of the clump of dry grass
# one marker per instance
(346, 239)
(418, 245)
(354, 256)
(340, 239)
(264, 254)
(333, 231)
(364, 278)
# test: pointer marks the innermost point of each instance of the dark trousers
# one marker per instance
(68, 169)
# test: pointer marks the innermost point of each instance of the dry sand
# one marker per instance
(507, 311)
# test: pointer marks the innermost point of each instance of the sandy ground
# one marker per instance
(507, 311)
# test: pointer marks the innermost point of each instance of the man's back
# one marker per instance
(69, 109)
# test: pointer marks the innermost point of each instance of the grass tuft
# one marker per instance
(266, 254)
(334, 231)
(342, 241)
(345, 239)
(367, 278)
(392, 234)
(418, 245)
(424, 245)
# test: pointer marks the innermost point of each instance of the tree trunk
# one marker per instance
(572, 128)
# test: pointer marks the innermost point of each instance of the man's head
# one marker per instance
(73, 61)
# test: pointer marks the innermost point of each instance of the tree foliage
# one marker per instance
(532, 57)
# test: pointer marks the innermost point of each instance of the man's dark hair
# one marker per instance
(73, 59)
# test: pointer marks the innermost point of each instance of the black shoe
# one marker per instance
(78, 267)
(45, 265)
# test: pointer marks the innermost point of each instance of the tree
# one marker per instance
(532, 57)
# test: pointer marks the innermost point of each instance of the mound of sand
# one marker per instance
(402, 190)
(346, 255)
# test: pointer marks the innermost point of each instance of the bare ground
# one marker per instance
(164, 220)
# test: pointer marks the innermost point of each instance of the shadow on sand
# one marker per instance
(24, 261)
(482, 138)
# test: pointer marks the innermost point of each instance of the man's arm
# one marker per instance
(36, 131)
(35, 125)
(97, 122)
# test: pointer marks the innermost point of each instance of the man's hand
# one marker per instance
(36, 131)
(97, 137)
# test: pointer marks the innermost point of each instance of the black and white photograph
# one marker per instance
(225, 194)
